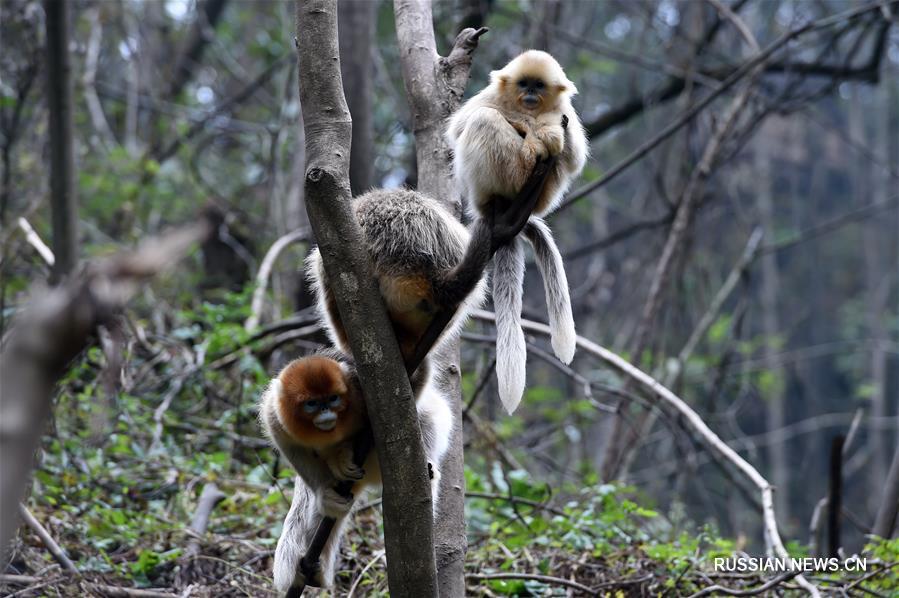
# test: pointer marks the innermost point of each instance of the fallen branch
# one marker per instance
(691, 420)
(42, 533)
(750, 592)
(209, 498)
(559, 581)
(104, 589)
(53, 330)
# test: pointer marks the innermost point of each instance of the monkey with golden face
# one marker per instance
(428, 267)
(497, 137)
(314, 411)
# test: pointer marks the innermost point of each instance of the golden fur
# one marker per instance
(314, 378)
(497, 138)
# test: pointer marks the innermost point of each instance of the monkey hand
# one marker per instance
(310, 574)
(552, 137)
(534, 150)
(334, 504)
(343, 466)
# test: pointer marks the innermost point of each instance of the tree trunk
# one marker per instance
(885, 522)
(434, 87)
(63, 201)
(408, 521)
(356, 29)
(775, 414)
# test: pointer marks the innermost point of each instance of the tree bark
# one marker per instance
(408, 528)
(885, 522)
(434, 87)
(63, 200)
(356, 30)
(775, 413)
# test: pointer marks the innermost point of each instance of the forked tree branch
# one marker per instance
(408, 528)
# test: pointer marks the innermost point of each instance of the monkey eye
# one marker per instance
(334, 401)
(522, 83)
(310, 406)
(539, 84)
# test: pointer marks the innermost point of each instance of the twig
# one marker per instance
(104, 589)
(54, 548)
(732, 79)
(868, 576)
(265, 270)
(721, 296)
(484, 430)
(547, 579)
(517, 499)
(35, 241)
(379, 554)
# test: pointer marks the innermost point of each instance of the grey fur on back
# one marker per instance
(407, 231)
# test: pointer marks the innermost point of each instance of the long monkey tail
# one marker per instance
(299, 529)
(555, 284)
(511, 353)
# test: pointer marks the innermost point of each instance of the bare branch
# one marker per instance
(733, 78)
(54, 548)
(663, 397)
(48, 335)
(265, 270)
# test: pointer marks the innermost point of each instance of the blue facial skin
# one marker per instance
(532, 89)
(324, 410)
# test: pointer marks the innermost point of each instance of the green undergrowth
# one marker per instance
(120, 474)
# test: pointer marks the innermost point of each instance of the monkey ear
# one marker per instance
(567, 87)
(276, 388)
(499, 78)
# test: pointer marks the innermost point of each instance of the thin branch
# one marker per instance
(106, 590)
(750, 592)
(35, 241)
(691, 420)
(42, 533)
(265, 270)
(737, 75)
(711, 314)
(547, 579)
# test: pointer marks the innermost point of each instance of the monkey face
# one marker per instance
(323, 411)
(531, 92)
(316, 404)
(535, 80)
